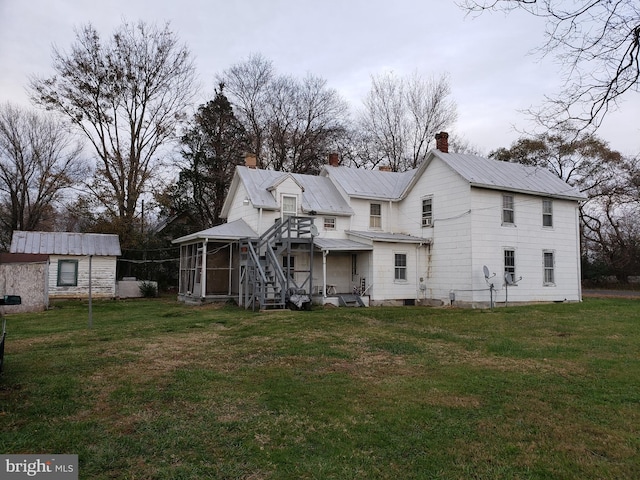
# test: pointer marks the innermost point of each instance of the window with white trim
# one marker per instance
(329, 223)
(427, 212)
(549, 267)
(547, 213)
(508, 213)
(289, 206)
(400, 269)
(67, 273)
(375, 215)
(510, 263)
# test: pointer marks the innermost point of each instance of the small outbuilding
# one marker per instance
(77, 264)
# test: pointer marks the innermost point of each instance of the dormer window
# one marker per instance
(289, 206)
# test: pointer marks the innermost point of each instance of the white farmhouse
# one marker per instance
(458, 229)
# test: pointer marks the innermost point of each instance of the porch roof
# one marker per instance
(340, 244)
(227, 231)
(389, 237)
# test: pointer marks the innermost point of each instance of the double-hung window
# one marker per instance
(549, 264)
(67, 273)
(509, 265)
(289, 206)
(375, 215)
(508, 213)
(547, 213)
(427, 212)
(400, 267)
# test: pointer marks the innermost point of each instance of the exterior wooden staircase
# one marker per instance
(267, 279)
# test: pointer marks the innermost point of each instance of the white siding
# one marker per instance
(103, 278)
(528, 238)
(449, 263)
(240, 210)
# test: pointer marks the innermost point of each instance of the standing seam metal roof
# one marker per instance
(319, 193)
(65, 243)
(374, 184)
(488, 173)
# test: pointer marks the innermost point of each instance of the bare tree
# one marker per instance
(127, 95)
(293, 123)
(401, 116)
(247, 85)
(39, 160)
(597, 41)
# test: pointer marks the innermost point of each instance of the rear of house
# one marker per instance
(459, 228)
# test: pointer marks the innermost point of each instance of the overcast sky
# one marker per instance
(492, 71)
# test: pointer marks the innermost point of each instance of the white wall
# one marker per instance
(449, 262)
(528, 238)
(103, 277)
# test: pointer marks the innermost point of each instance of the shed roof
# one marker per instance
(388, 237)
(340, 244)
(65, 243)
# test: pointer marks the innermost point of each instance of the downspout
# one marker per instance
(260, 221)
(203, 274)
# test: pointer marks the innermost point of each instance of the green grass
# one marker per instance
(160, 390)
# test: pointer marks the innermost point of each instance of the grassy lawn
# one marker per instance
(159, 390)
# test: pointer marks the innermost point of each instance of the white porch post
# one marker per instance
(230, 267)
(324, 273)
(203, 274)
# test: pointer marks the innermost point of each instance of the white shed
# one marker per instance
(76, 261)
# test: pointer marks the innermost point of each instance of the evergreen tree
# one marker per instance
(214, 144)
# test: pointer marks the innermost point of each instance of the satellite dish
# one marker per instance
(485, 269)
(508, 277)
(314, 230)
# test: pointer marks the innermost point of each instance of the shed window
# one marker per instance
(67, 273)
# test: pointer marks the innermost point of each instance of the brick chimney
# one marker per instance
(384, 168)
(442, 142)
(250, 160)
(334, 160)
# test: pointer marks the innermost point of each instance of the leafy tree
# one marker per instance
(597, 41)
(585, 161)
(213, 145)
(126, 94)
(610, 234)
(39, 161)
(400, 118)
